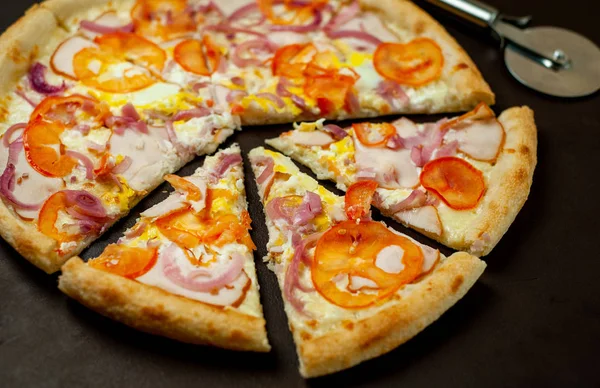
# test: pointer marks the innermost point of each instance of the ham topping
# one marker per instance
(62, 59)
(312, 138)
(424, 218)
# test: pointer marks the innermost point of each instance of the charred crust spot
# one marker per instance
(461, 66)
(520, 174)
(419, 27)
(524, 149)
(371, 341)
(456, 283)
(237, 335)
(305, 336)
(349, 325)
(155, 313)
(110, 297)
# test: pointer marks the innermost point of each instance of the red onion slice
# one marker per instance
(85, 203)
(343, 17)
(240, 55)
(191, 282)
(273, 97)
(85, 160)
(226, 162)
(101, 29)
(37, 80)
(268, 171)
(22, 94)
(191, 114)
(10, 131)
(235, 96)
(336, 131)
(361, 35)
(392, 91)
(123, 166)
(292, 276)
(416, 198)
(299, 101)
(308, 209)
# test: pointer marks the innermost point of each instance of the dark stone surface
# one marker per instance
(532, 320)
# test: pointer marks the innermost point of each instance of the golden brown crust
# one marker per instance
(353, 343)
(466, 85)
(155, 311)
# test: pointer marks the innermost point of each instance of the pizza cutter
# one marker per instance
(551, 60)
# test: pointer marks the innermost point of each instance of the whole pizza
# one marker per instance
(101, 101)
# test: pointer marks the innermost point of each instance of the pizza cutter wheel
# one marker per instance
(551, 60)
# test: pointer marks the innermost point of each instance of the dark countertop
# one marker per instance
(532, 320)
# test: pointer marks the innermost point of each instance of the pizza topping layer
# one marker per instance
(195, 243)
(333, 267)
(421, 170)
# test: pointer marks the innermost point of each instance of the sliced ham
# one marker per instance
(31, 186)
(405, 127)
(372, 24)
(394, 168)
(424, 218)
(200, 183)
(147, 154)
(62, 59)
(430, 257)
(312, 138)
(479, 139)
(389, 259)
(172, 203)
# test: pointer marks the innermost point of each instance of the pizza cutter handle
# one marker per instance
(482, 14)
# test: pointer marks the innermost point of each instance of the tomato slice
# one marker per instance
(189, 230)
(162, 18)
(291, 60)
(92, 65)
(329, 91)
(179, 183)
(351, 249)
(44, 150)
(358, 199)
(481, 112)
(415, 63)
(374, 135)
(129, 262)
(455, 181)
(198, 57)
(64, 109)
(49, 214)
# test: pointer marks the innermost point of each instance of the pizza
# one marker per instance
(101, 99)
(353, 288)
(460, 181)
(185, 270)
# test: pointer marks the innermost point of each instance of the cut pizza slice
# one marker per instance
(353, 288)
(185, 270)
(460, 181)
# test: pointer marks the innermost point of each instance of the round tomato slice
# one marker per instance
(374, 135)
(198, 57)
(415, 63)
(129, 262)
(49, 214)
(122, 63)
(350, 249)
(162, 18)
(456, 181)
(358, 199)
(64, 109)
(44, 150)
(329, 91)
(291, 60)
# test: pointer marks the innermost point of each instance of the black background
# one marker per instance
(533, 319)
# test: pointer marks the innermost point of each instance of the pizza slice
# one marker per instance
(185, 270)
(88, 128)
(289, 61)
(353, 288)
(460, 181)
